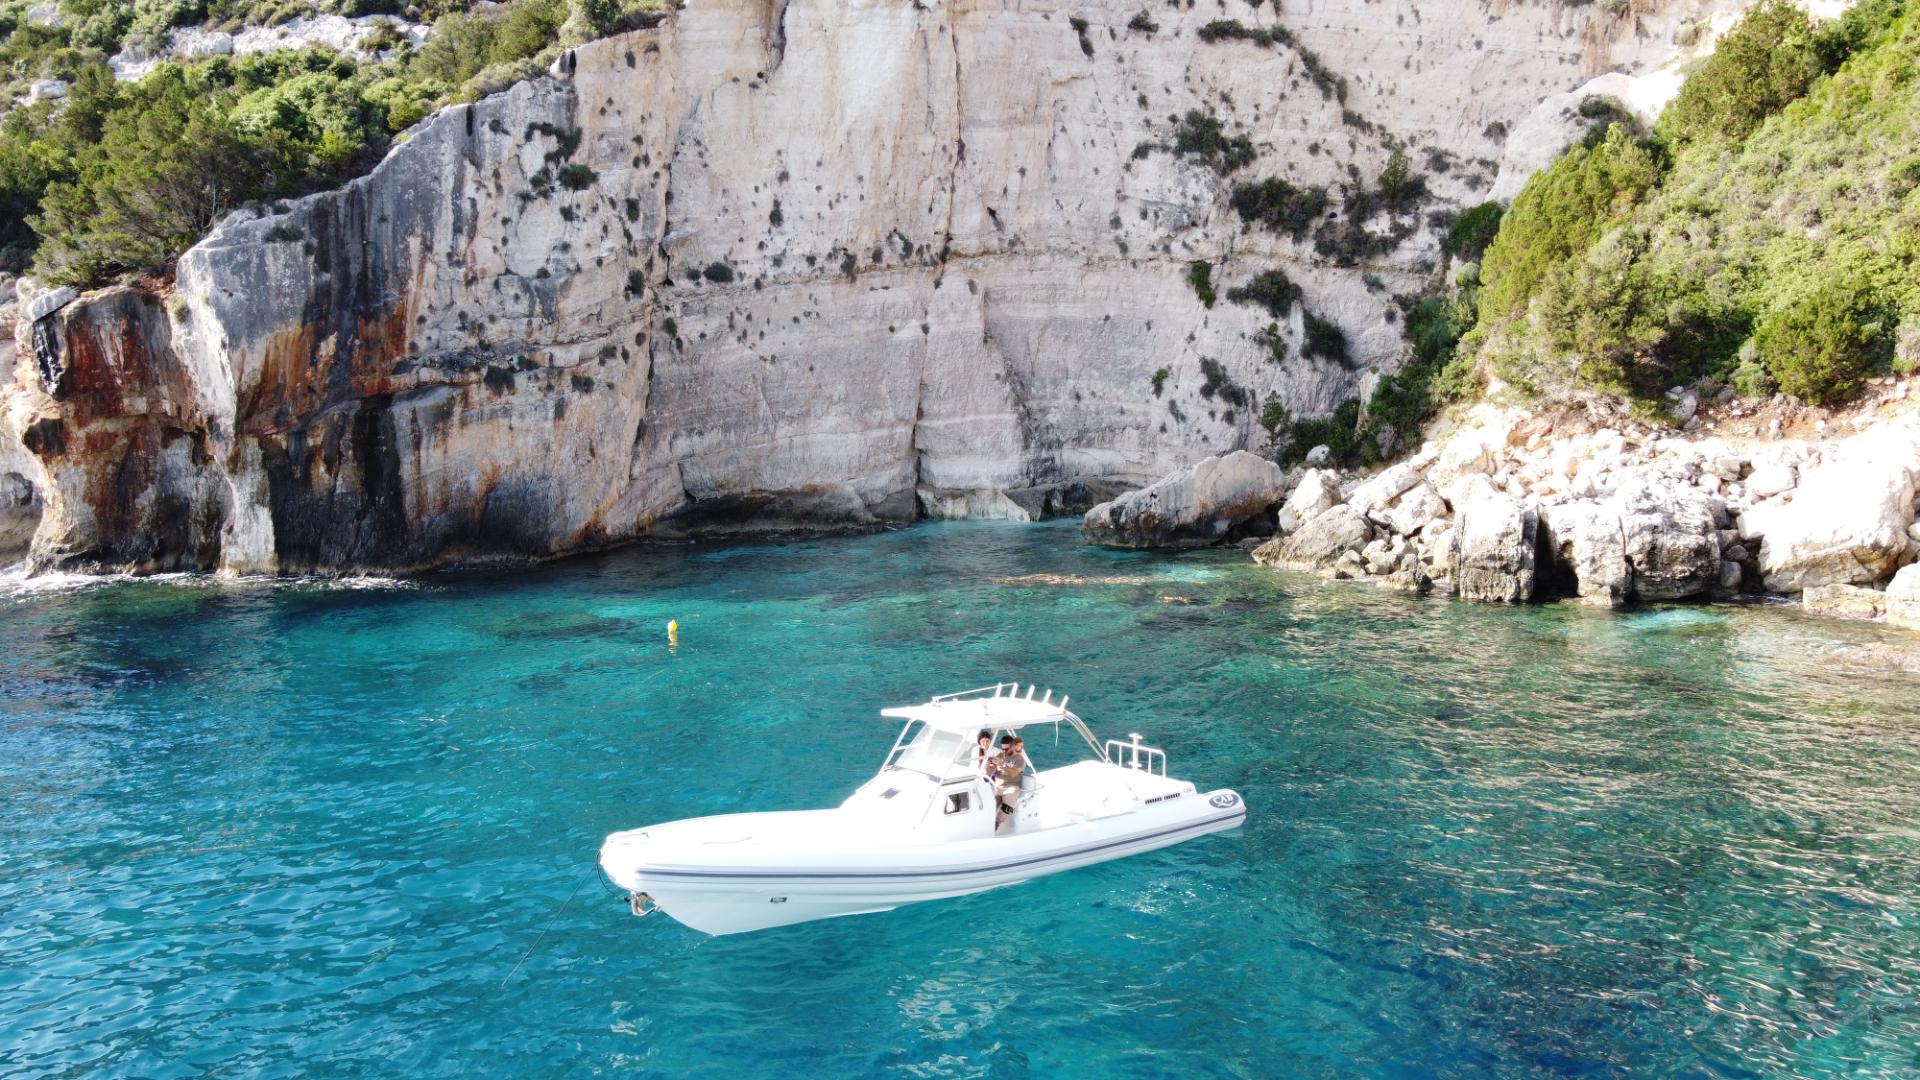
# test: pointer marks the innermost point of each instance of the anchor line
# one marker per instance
(547, 927)
(613, 890)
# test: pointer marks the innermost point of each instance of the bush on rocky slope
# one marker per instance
(118, 178)
(1768, 233)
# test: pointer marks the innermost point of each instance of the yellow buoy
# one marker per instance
(673, 633)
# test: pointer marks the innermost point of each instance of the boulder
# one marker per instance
(1844, 601)
(1318, 543)
(1902, 598)
(1493, 550)
(1318, 490)
(1668, 538)
(1847, 524)
(1319, 455)
(1194, 507)
(1379, 491)
(1385, 554)
(1586, 544)
(1767, 481)
(1415, 510)
(1730, 577)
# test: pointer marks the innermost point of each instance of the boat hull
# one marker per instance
(743, 888)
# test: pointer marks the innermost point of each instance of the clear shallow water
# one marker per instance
(303, 830)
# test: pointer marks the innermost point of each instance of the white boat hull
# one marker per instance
(800, 866)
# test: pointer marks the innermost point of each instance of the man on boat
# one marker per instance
(1009, 765)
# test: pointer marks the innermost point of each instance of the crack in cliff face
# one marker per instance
(777, 42)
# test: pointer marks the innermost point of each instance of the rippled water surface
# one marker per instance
(302, 830)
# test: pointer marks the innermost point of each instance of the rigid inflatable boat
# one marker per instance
(925, 827)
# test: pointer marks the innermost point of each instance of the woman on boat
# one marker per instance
(983, 754)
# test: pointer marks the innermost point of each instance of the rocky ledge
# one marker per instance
(1517, 505)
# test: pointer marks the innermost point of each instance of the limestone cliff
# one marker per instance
(775, 264)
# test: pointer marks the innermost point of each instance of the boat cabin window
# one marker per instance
(958, 802)
(935, 753)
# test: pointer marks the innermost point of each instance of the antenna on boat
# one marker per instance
(1048, 700)
(1030, 689)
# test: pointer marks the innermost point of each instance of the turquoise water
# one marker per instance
(303, 830)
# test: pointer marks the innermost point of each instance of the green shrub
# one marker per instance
(1201, 135)
(1399, 186)
(1751, 380)
(1270, 289)
(1200, 276)
(1561, 210)
(1079, 26)
(1270, 338)
(576, 177)
(1819, 346)
(1275, 418)
(1215, 380)
(118, 178)
(1473, 230)
(1279, 205)
(1768, 59)
(1323, 339)
(1338, 432)
(1234, 30)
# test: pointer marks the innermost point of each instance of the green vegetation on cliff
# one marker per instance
(1767, 233)
(119, 178)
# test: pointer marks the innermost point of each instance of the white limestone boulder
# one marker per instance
(1902, 598)
(1415, 510)
(1318, 490)
(1319, 543)
(1847, 523)
(1493, 550)
(1379, 491)
(1669, 539)
(1588, 548)
(1194, 507)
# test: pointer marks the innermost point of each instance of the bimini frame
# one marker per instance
(1009, 691)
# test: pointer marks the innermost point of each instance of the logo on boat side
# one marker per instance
(1224, 800)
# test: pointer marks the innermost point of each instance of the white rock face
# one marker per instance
(19, 471)
(1847, 523)
(1668, 538)
(1769, 480)
(1193, 507)
(1317, 491)
(1903, 598)
(1587, 539)
(770, 256)
(1320, 543)
(1415, 510)
(1493, 550)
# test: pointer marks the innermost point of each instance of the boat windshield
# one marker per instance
(935, 753)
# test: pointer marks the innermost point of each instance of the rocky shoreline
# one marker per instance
(1515, 505)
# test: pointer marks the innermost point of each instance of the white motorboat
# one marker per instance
(926, 827)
